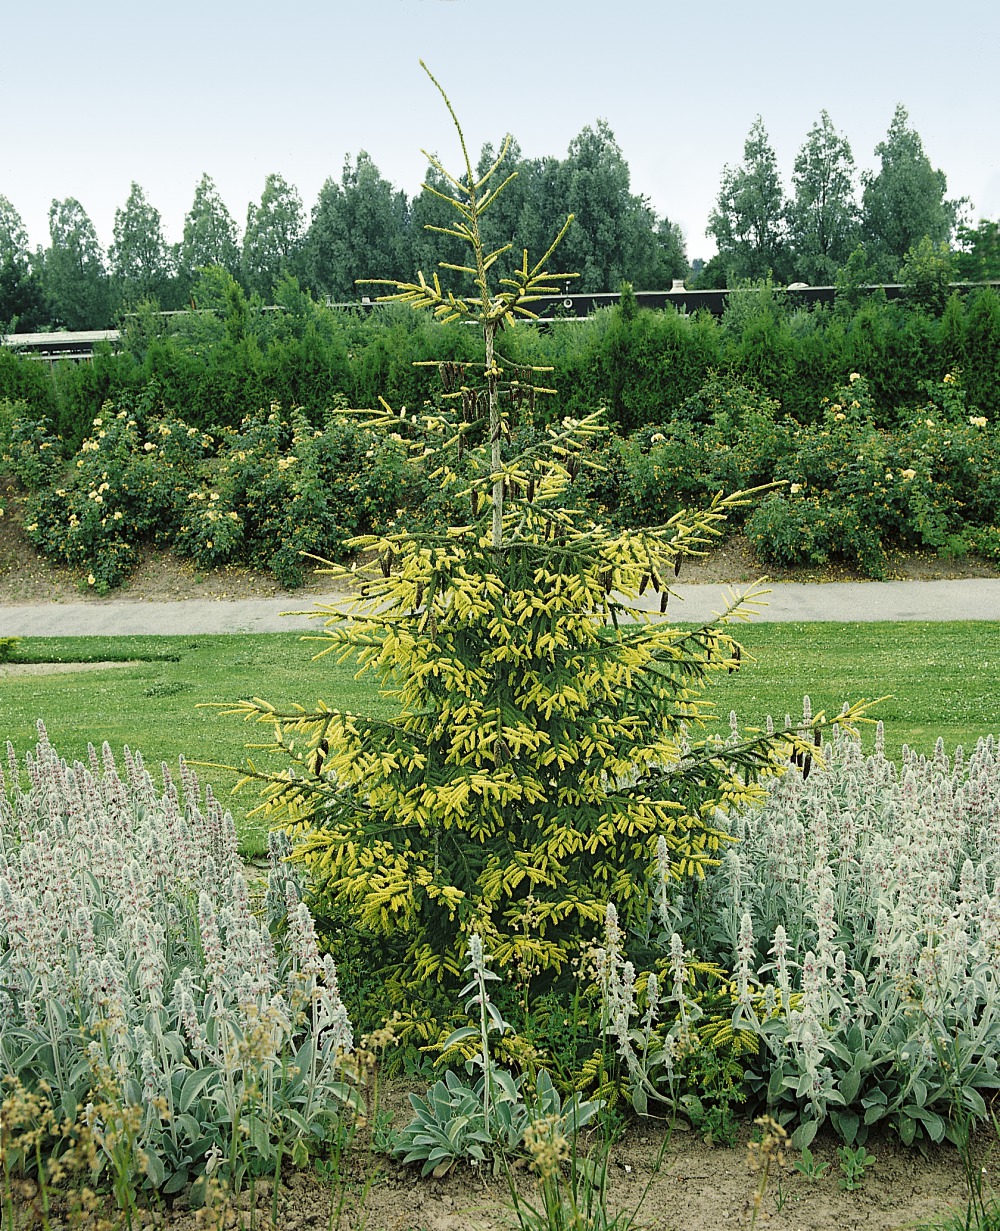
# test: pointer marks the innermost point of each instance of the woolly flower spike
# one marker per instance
(211, 941)
(662, 880)
(305, 949)
(613, 936)
(745, 953)
(477, 962)
(678, 962)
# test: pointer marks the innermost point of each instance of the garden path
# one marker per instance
(971, 598)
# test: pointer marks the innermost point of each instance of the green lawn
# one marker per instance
(152, 705)
(942, 679)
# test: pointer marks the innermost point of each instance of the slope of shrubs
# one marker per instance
(855, 481)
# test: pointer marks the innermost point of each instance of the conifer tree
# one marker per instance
(548, 748)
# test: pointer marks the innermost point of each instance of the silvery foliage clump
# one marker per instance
(478, 1118)
(858, 910)
(654, 1029)
(137, 981)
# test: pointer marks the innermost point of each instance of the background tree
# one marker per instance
(520, 212)
(823, 216)
(977, 258)
(141, 263)
(273, 240)
(710, 275)
(22, 304)
(748, 221)
(75, 276)
(856, 281)
(13, 236)
(210, 236)
(430, 250)
(926, 275)
(671, 257)
(612, 234)
(905, 200)
(359, 230)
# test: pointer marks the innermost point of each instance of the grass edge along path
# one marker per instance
(939, 680)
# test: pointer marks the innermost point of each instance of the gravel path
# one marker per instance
(838, 602)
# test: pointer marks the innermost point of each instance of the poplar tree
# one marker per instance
(749, 218)
(141, 263)
(272, 242)
(359, 229)
(210, 236)
(21, 301)
(823, 216)
(75, 275)
(905, 200)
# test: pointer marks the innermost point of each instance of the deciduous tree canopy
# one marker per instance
(748, 221)
(905, 199)
(75, 276)
(273, 241)
(209, 233)
(823, 220)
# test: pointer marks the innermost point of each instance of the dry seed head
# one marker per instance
(548, 1145)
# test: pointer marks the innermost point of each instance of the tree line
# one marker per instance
(362, 226)
(836, 221)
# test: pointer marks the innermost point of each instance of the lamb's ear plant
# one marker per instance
(854, 1165)
(809, 1165)
(548, 732)
(143, 997)
(858, 916)
(486, 1118)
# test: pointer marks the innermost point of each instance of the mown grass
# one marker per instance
(152, 704)
(940, 679)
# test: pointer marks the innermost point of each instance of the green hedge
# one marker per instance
(645, 367)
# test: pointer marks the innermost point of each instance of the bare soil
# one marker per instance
(665, 1180)
(58, 668)
(27, 578)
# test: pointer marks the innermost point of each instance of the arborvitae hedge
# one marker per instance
(643, 366)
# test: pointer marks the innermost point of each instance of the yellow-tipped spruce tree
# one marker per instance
(547, 733)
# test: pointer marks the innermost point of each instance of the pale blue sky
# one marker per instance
(95, 95)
